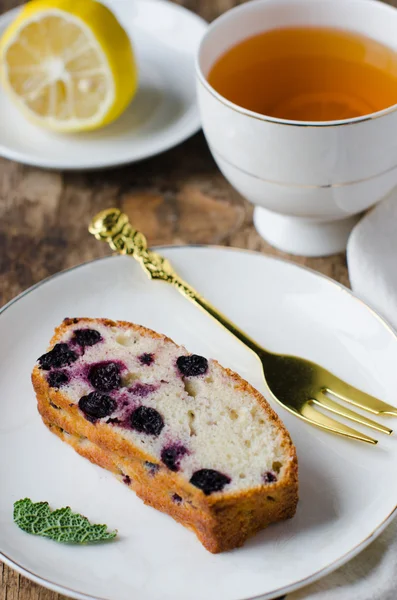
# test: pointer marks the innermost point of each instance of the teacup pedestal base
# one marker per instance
(304, 237)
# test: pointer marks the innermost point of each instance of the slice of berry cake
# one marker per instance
(191, 438)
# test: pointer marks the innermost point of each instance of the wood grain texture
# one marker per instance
(179, 197)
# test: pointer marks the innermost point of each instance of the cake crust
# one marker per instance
(222, 520)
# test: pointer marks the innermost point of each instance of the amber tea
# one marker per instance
(308, 74)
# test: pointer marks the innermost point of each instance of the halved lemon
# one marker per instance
(322, 106)
(68, 64)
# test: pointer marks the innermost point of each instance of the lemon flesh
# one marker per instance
(69, 65)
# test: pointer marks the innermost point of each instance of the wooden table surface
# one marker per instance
(179, 197)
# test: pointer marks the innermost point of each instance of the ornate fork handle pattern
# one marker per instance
(112, 226)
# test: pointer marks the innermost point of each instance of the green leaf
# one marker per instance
(61, 525)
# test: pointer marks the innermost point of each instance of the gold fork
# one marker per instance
(301, 386)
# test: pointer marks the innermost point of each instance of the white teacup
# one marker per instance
(308, 180)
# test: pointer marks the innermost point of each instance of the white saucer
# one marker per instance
(163, 114)
(347, 491)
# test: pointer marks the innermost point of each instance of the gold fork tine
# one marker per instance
(327, 403)
(315, 417)
(350, 394)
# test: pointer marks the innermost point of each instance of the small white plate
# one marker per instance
(163, 113)
(348, 493)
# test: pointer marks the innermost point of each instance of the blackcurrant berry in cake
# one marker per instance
(176, 498)
(57, 379)
(105, 376)
(151, 467)
(60, 356)
(147, 420)
(172, 456)
(86, 337)
(209, 480)
(192, 365)
(127, 479)
(96, 405)
(146, 358)
(269, 477)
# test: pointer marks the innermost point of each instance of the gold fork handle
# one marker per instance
(113, 227)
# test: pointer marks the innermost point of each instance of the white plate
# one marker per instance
(347, 490)
(163, 113)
